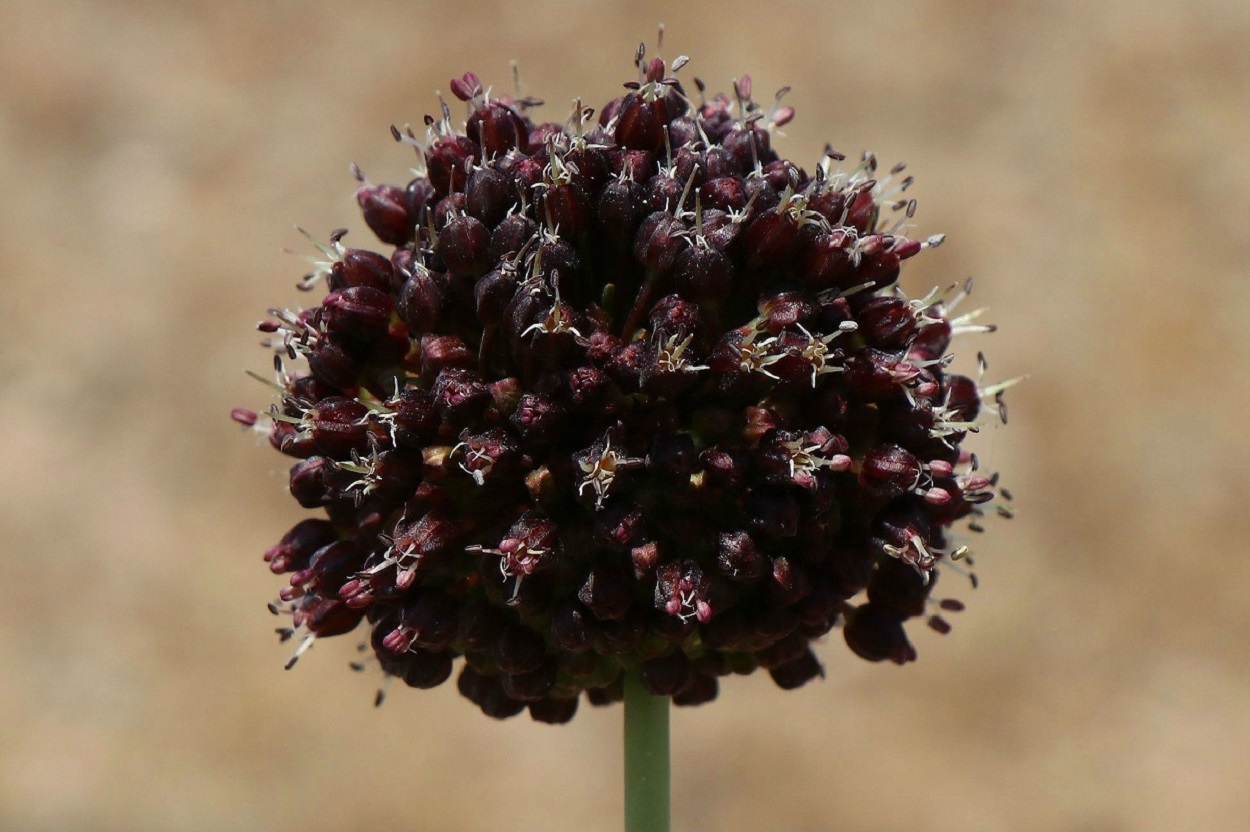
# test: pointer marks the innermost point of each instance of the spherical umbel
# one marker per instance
(623, 390)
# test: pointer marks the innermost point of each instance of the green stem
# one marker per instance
(646, 758)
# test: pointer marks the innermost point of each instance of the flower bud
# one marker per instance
(797, 672)
(460, 395)
(606, 594)
(569, 209)
(700, 690)
(385, 210)
(659, 240)
(738, 558)
(424, 669)
(532, 686)
(669, 675)
(464, 246)
(361, 268)
(360, 311)
(573, 628)
(422, 299)
(640, 123)
(312, 482)
(519, 649)
(703, 274)
(510, 236)
(488, 195)
(297, 546)
(445, 163)
(622, 205)
(498, 129)
(442, 352)
(876, 634)
(553, 710)
(889, 471)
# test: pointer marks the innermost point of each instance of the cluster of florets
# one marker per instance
(629, 391)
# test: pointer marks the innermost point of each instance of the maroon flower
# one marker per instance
(627, 392)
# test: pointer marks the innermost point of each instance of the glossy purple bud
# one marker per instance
(896, 586)
(640, 123)
(429, 536)
(313, 481)
(632, 165)
(888, 472)
(879, 269)
(862, 213)
(664, 192)
(511, 236)
(527, 175)
(876, 634)
(559, 257)
(385, 210)
(460, 395)
(887, 322)
(441, 352)
(788, 582)
(419, 198)
(738, 558)
(415, 418)
(770, 239)
(788, 309)
(422, 300)
(360, 311)
(361, 268)
(719, 230)
(447, 209)
(659, 240)
(445, 163)
(875, 374)
(619, 526)
(297, 546)
(621, 207)
(488, 196)
(464, 246)
(703, 274)
(726, 193)
(333, 365)
(748, 146)
(492, 293)
(339, 426)
(569, 209)
(724, 467)
(962, 397)
(498, 129)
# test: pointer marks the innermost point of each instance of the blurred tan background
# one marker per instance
(1090, 165)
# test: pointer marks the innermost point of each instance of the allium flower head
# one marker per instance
(627, 390)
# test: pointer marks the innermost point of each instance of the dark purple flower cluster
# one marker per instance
(630, 390)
